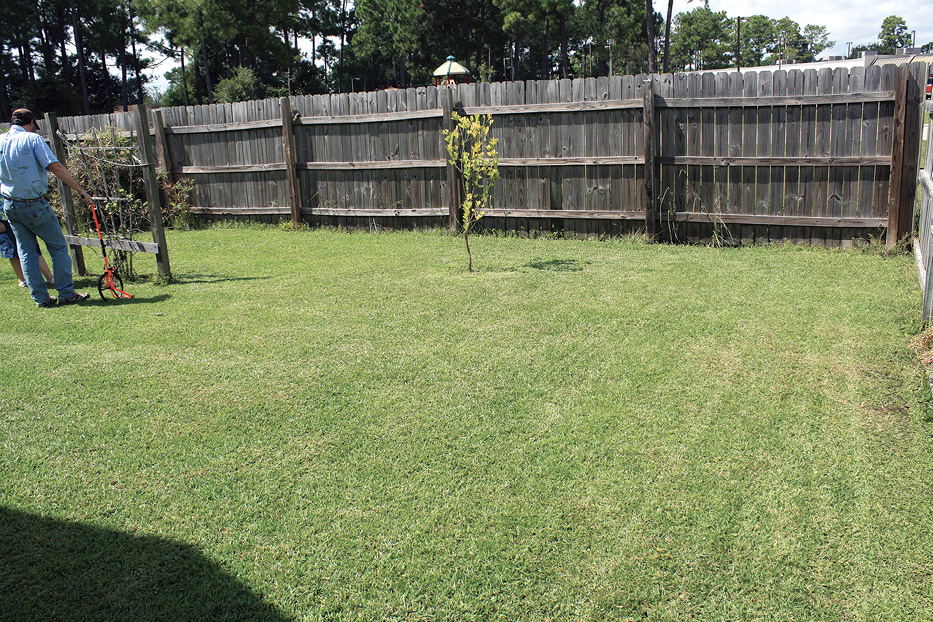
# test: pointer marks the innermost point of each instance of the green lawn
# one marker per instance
(316, 425)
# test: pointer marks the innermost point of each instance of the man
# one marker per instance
(24, 160)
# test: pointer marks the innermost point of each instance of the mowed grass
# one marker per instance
(317, 425)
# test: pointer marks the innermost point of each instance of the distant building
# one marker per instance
(867, 59)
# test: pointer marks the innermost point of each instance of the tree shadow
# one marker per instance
(58, 570)
(558, 265)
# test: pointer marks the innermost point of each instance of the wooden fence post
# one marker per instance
(71, 222)
(454, 181)
(648, 126)
(152, 190)
(161, 146)
(163, 155)
(906, 150)
(288, 143)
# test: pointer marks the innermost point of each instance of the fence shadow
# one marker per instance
(197, 278)
(58, 570)
(97, 301)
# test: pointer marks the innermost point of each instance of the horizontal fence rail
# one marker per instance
(822, 157)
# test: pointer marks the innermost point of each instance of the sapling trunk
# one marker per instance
(466, 239)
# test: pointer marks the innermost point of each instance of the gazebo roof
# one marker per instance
(450, 68)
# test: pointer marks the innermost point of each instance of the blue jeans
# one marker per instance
(31, 220)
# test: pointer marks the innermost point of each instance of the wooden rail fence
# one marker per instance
(822, 157)
(51, 129)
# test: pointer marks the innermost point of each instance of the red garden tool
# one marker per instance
(110, 284)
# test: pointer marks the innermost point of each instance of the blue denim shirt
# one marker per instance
(24, 158)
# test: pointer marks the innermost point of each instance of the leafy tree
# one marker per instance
(220, 35)
(558, 16)
(533, 27)
(613, 31)
(89, 55)
(470, 31)
(702, 39)
(816, 39)
(893, 35)
(757, 39)
(392, 28)
(62, 56)
(793, 44)
(242, 85)
(519, 19)
(175, 94)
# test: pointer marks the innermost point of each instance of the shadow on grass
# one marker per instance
(558, 265)
(97, 301)
(189, 279)
(58, 570)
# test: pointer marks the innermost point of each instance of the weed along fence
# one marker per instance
(819, 157)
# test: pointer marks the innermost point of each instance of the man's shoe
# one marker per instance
(74, 299)
(47, 304)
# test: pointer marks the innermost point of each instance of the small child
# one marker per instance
(8, 251)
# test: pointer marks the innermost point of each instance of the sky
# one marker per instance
(858, 21)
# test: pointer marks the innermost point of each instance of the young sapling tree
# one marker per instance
(473, 153)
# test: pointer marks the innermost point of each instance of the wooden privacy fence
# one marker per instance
(823, 156)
